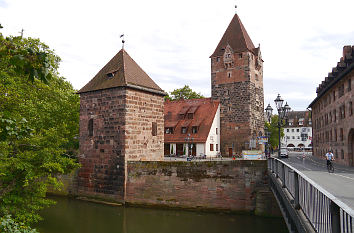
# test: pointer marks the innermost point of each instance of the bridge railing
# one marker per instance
(326, 213)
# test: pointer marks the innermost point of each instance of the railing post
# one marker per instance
(335, 217)
(276, 169)
(296, 188)
(283, 175)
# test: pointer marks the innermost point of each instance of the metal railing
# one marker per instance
(326, 213)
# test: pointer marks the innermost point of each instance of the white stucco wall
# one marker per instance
(213, 137)
(294, 135)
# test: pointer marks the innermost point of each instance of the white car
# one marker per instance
(284, 153)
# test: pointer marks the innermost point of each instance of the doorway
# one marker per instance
(230, 152)
(351, 147)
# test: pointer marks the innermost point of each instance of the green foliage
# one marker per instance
(8, 225)
(274, 131)
(183, 93)
(39, 116)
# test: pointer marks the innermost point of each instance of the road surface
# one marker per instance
(340, 183)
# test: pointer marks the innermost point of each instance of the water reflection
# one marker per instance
(74, 216)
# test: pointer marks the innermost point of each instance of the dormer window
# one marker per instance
(168, 130)
(184, 130)
(111, 74)
(190, 115)
(194, 129)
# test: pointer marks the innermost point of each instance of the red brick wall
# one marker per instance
(102, 154)
(324, 125)
(229, 185)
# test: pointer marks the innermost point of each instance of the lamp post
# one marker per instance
(282, 114)
(189, 139)
(269, 111)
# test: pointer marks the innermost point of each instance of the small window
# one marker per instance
(216, 147)
(240, 55)
(168, 130)
(217, 59)
(194, 129)
(341, 134)
(90, 127)
(211, 147)
(229, 109)
(154, 129)
(297, 130)
(293, 137)
(256, 77)
(184, 130)
(349, 85)
(287, 137)
(342, 154)
(216, 131)
(292, 130)
(190, 115)
(287, 130)
(350, 108)
(229, 74)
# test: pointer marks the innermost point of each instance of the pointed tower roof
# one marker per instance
(122, 71)
(236, 36)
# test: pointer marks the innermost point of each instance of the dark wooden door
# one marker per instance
(179, 150)
(167, 150)
(230, 152)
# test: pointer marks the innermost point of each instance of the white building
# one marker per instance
(298, 131)
(192, 127)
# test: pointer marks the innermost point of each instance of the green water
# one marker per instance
(75, 216)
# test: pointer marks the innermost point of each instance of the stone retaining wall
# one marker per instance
(231, 186)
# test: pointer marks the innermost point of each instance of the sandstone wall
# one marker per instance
(102, 154)
(142, 111)
(235, 186)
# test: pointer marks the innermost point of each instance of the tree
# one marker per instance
(184, 93)
(274, 131)
(39, 115)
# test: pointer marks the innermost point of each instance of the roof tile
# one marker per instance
(121, 71)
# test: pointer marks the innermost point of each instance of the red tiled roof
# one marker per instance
(123, 71)
(236, 36)
(203, 116)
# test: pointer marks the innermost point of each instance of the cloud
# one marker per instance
(3, 4)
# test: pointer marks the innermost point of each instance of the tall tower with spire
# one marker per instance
(237, 81)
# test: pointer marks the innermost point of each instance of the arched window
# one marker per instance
(90, 127)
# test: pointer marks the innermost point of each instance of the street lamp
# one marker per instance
(189, 139)
(282, 114)
(269, 111)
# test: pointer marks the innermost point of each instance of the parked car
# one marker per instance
(284, 153)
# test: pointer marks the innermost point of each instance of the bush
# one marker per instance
(8, 225)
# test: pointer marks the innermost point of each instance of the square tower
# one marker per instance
(121, 119)
(237, 81)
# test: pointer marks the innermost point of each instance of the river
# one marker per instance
(75, 216)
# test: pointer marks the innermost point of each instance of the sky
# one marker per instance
(172, 40)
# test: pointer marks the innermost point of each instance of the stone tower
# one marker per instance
(237, 81)
(121, 119)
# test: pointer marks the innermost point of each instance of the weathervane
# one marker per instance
(21, 32)
(123, 41)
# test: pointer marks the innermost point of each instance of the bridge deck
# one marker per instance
(340, 183)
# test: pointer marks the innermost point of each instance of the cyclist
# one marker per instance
(329, 157)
